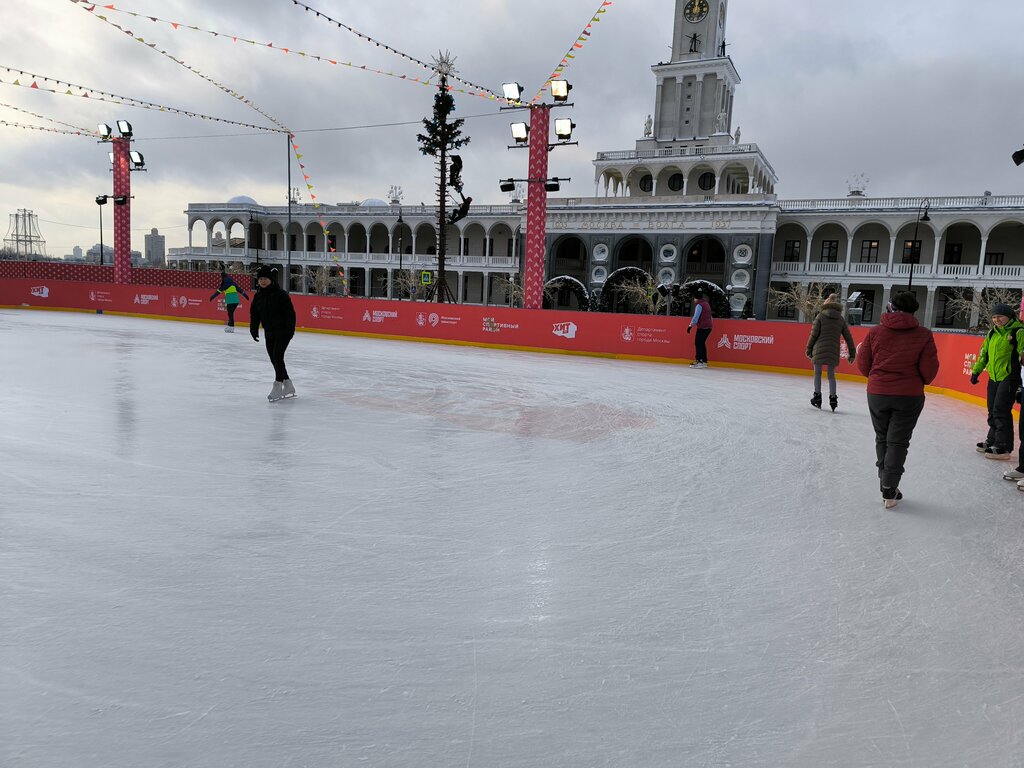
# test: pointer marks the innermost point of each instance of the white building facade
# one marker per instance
(690, 201)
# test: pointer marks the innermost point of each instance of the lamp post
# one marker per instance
(535, 136)
(123, 161)
(915, 248)
(400, 272)
(101, 200)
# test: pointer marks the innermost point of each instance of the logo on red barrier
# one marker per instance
(724, 342)
(628, 333)
(493, 326)
(565, 330)
(379, 315)
(41, 291)
(145, 298)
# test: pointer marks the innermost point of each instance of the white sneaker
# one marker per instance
(1013, 474)
(229, 329)
(288, 390)
(1020, 485)
(277, 392)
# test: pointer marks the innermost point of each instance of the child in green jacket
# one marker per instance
(230, 290)
(1000, 358)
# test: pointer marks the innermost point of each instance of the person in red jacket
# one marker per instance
(899, 358)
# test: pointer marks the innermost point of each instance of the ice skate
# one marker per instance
(1013, 474)
(229, 329)
(1020, 485)
(998, 454)
(816, 400)
(698, 364)
(980, 448)
(891, 497)
(288, 390)
(833, 401)
(277, 392)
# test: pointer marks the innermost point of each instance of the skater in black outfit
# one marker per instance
(272, 307)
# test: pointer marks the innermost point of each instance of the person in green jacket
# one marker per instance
(1000, 358)
(230, 290)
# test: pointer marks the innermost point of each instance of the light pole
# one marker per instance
(123, 161)
(915, 248)
(400, 272)
(101, 200)
(535, 137)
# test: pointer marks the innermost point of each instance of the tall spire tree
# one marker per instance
(440, 137)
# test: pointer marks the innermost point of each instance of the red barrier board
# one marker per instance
(765, 345)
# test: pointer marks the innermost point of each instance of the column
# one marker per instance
(657, 111)
(935, 256)
(680, 107)
(849, 252)
(929, 308)
(536, 208)
(391, 283)
(886, 293)
(461, 286)
(981, 258)
(487, 289)
(807, 255)
(892, 253)
(695, 111)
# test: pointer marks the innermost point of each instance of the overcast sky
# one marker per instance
(924, 97)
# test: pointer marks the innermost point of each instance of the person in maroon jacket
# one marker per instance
(899, 358)
(703, 322)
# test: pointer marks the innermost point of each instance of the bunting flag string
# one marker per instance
(64, 88)
(481, 91)
(10, 124)
(577, 44)
(270, 46)
(248, 102)
(78, 130)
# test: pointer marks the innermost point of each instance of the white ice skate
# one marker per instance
(277, 392)
(288, 389)
(891, 497)
(229, 329)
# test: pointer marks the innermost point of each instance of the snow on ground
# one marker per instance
(449, 556)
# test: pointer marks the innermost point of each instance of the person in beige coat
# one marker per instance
(823, 347)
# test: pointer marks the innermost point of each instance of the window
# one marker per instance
(792, 252)
(954, 253)
(868, 251)
(867, 303)
(292, 242)
(646, 183)
(675, 182)
(706, 181)
(310, 242)
(911, 251)
(994, 259)
(272, 241)
(332, 242)
(830, 250)
(945, 315)
(787, 313)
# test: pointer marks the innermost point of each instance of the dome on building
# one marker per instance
(242, 200)
(373, 202)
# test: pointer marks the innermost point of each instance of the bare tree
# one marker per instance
(641, 292)
(510, 289)
(806, 300)
(964, 302)
(321, 281)
(406, 282)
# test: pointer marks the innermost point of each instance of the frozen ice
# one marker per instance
(451, 556)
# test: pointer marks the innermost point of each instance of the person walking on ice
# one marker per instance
(823, 347)
(899, 358)
(1000, 358)
(703, 322)
(229, 289)
(272, 308)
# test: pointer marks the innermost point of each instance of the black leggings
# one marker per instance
(231, 313)
(1001, 397)
(894, 418)
(700, 345)
(276, 345)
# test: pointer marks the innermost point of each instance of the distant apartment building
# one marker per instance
(156, 249)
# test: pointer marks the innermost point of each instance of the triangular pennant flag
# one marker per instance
(174, 24)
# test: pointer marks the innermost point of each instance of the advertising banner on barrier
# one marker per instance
(759, 344)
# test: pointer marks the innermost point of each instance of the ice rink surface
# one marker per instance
(449, 556)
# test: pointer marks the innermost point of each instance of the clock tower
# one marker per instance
(695, 89)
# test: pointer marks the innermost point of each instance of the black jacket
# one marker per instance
(272, 307)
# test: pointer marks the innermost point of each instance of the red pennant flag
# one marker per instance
(34, 84)
(174, 24)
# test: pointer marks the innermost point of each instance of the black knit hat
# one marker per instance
(905, 301)
(1005, 310)
(268, 272)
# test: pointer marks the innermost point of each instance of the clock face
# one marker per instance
(695, 11)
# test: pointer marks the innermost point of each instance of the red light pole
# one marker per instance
(122, 213)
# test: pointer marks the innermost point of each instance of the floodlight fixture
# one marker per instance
(120, 199)
(138, 161)
(563, 128)
(104, 130)
(1018, 157)
(101, 199)
(520, 132)
(111, 156)
(512, 91)
(507, 185)
(125, 128)
(560, 90)
(551, 185)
